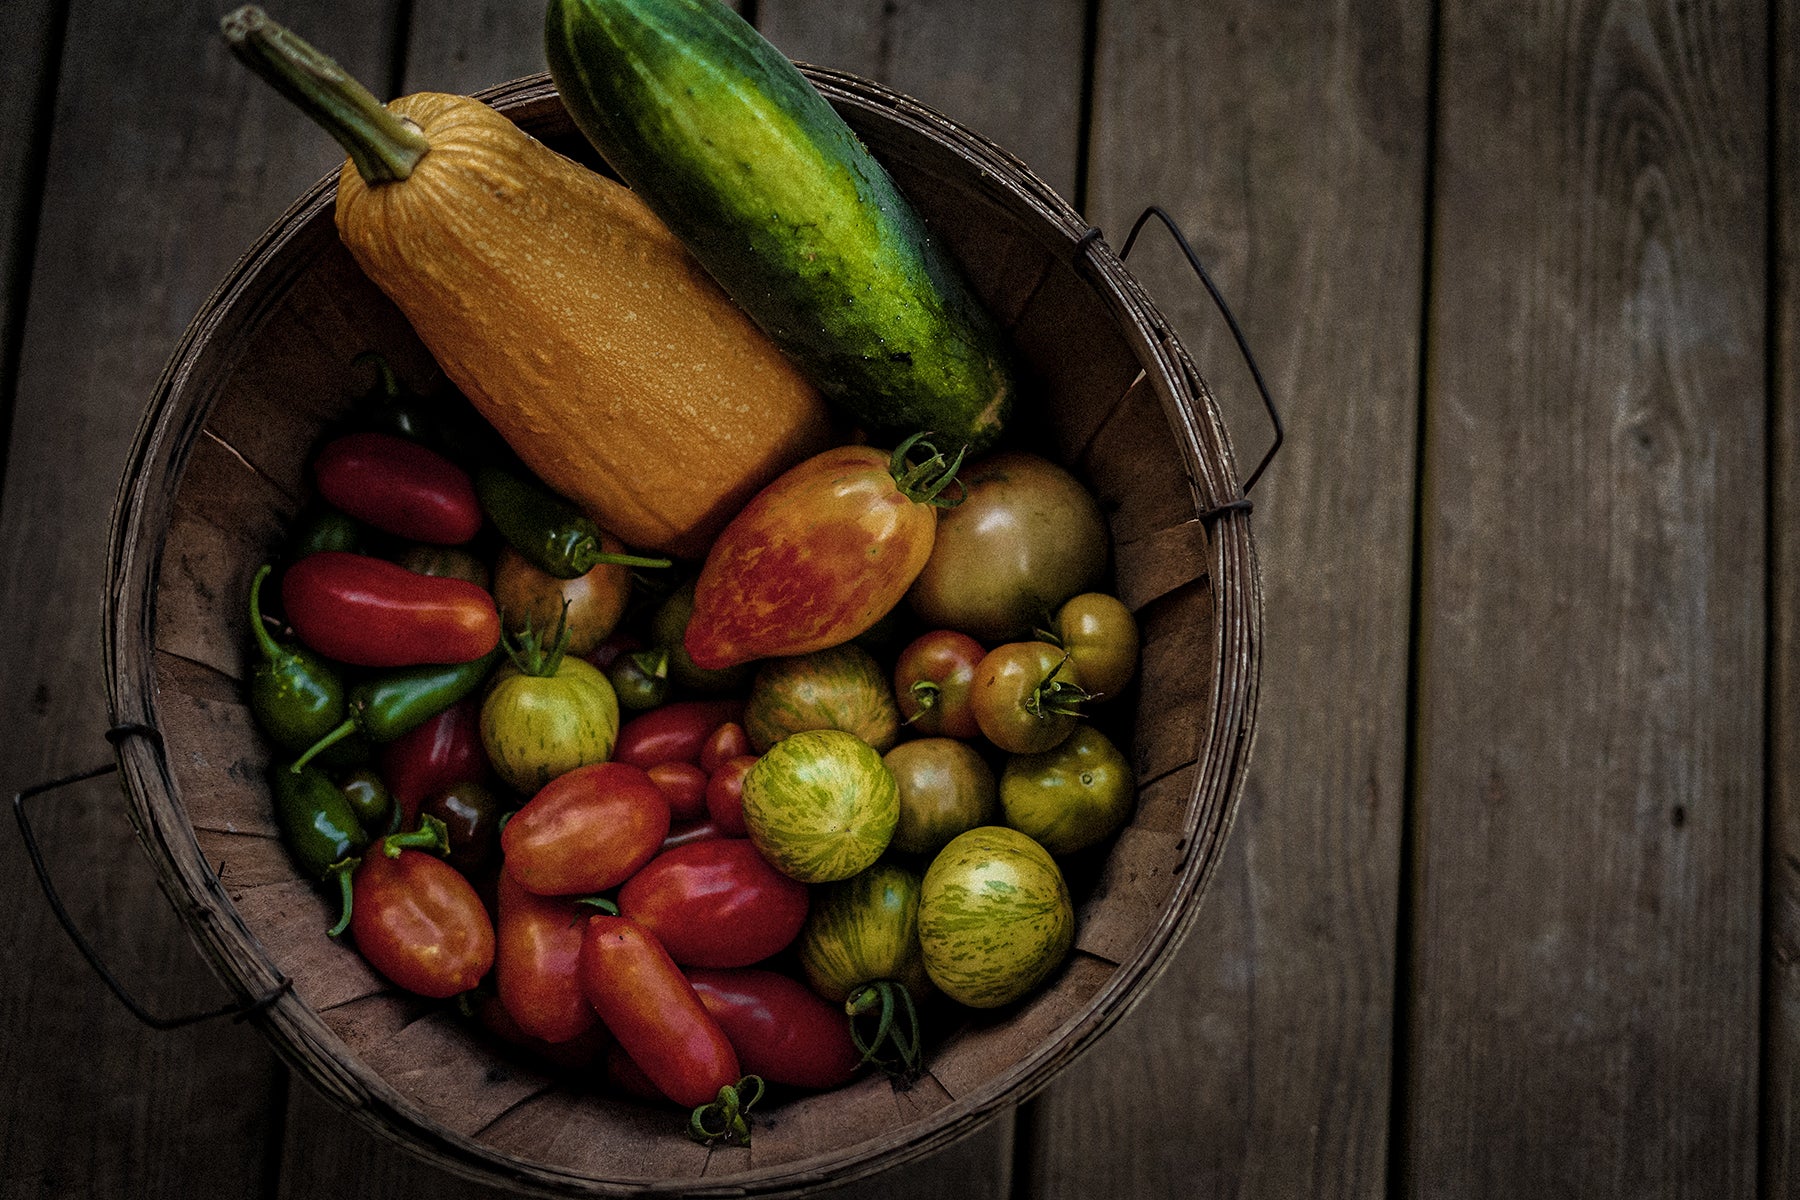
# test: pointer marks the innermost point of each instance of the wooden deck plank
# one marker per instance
(32, 32)
(1781, 966)
(165, 161)
(1267, 1043)
(1588, 827)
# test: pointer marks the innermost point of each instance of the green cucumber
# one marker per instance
(743, 159)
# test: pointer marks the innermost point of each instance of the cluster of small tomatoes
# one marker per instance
(690, 829)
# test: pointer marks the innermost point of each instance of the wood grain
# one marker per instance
(1270, 1034)
(166, 160)
(1780, 1095)
(1586, 932)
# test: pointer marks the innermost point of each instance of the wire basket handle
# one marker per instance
(236, 1011)
(1093, 234)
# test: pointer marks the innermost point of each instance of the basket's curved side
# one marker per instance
(174, 424)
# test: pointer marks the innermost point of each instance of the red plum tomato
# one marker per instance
(716, 903)
(586, 831)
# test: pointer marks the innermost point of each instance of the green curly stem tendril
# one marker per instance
(895, 1046)
(726, 1121)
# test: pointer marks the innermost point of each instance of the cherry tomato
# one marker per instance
(539, 948)
(716, 903)
(400, 487)
(727, 742)
(420, 923)
(586, 831)
(945, 789)
(1026, 537)
(596, 600)
(932, 678)
(1101, 637)
(370, 613)
(640, 678)
(725, 795)
(1072, 796)
(780, 1029)
(684, 786)
(444, 751)
(1026, 696)
(471, 815)
(816, 557)
(652, 1009)
(673, 733)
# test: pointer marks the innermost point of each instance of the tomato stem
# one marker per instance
(926, 482)
(731, 1111)
(925, 694)
(897, 1026)
(1053, 697)
(527, 651)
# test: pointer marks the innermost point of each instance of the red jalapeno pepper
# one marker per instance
(371, 613)
(446, 750)
(399, 486)
(647, 1002)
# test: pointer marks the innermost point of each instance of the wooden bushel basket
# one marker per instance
(217, 472)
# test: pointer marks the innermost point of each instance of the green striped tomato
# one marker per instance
(995, 917)
(821, 805)
(839, 688)
(863, 930)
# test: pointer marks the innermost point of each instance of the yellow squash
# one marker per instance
(567, 312)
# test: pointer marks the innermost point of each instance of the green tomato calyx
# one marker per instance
(896, 1044)
(1053, 697)
(927, 481)
(529, 652)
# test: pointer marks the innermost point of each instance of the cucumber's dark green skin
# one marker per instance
(773, 193)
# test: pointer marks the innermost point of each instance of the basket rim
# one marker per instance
(159, 454)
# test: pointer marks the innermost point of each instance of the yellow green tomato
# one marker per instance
(995, 918)
(1101, 637)
(536, 727)
(821, 805)
(864, 930)
(1071, 797)
(946, 788)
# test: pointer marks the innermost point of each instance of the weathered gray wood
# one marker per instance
(165, 161)
(1781, 968)
(1259, 1065)
(30, 29)
(1586, 933)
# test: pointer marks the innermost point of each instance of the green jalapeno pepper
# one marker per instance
(295, 695)
(383, 708)
(552, 534)
(319, 827)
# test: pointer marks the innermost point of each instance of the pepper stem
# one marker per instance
(432, 836)
(349, 726)
(342, 871)
(266, 641)
(384, 148)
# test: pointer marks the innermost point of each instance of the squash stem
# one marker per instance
(384, 148)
